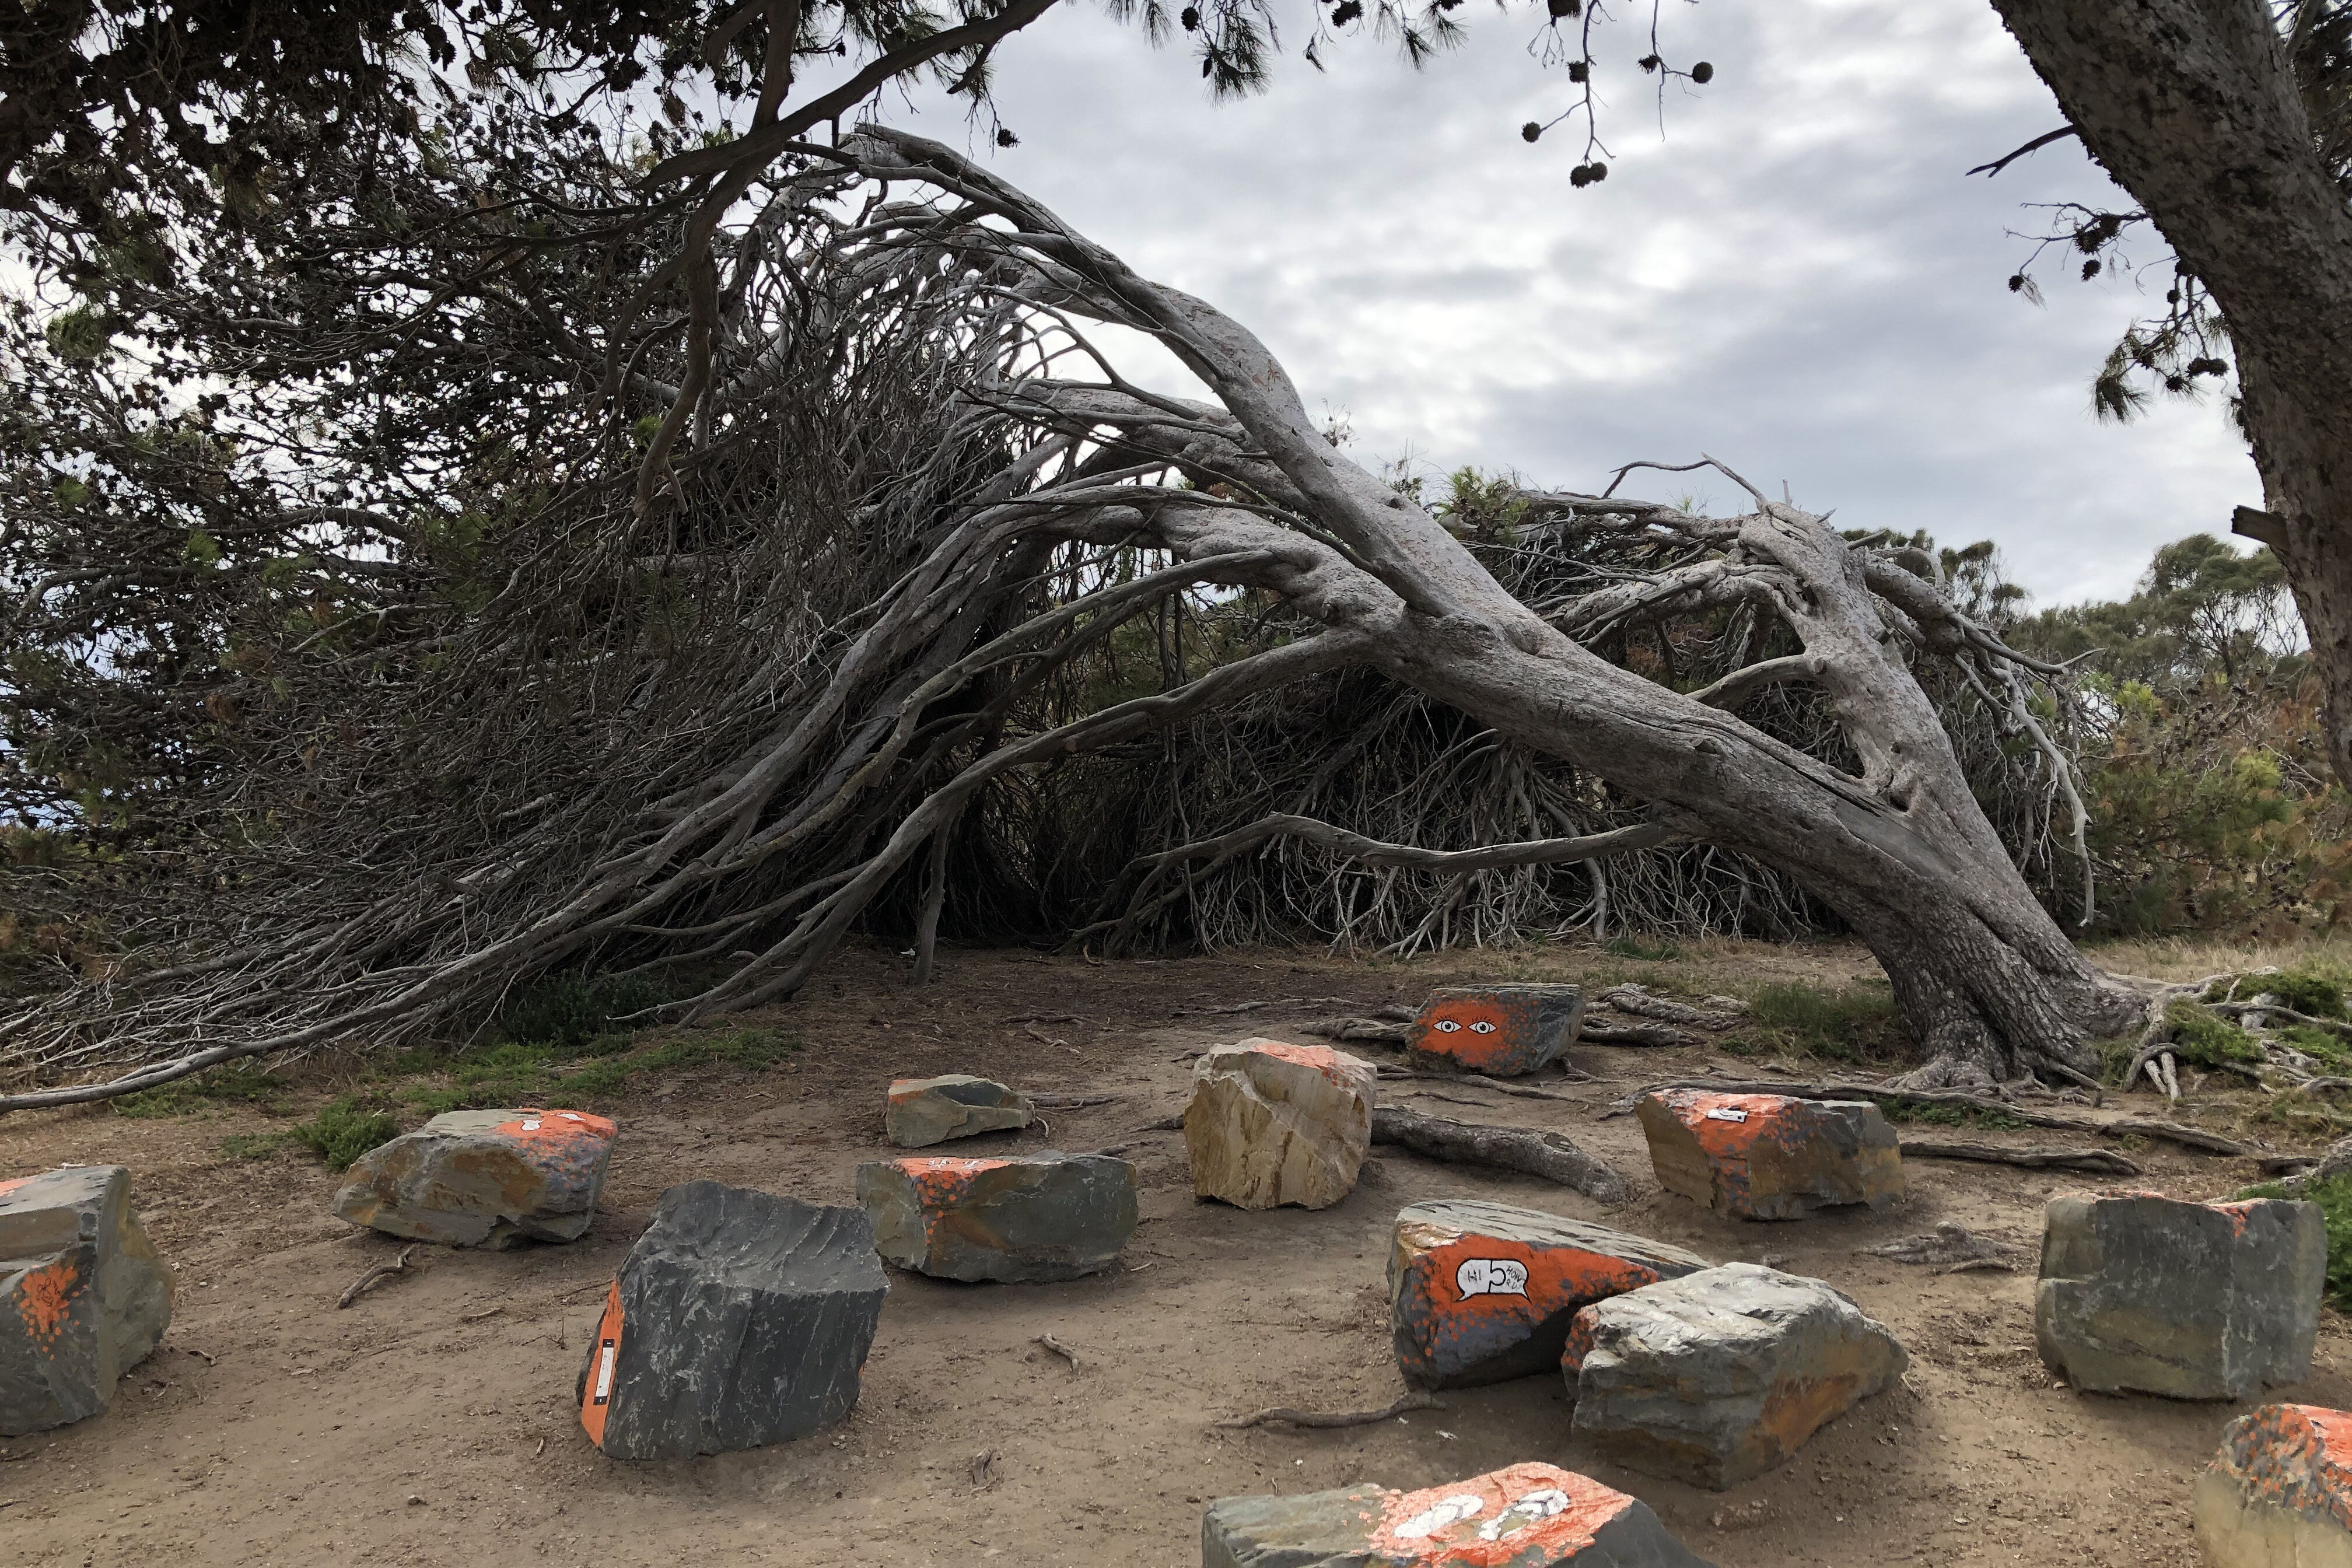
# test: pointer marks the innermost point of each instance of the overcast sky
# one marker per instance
(1796, 278)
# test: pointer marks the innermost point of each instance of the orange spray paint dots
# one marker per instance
(44, 1298)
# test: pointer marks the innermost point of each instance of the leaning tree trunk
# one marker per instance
(1902, 851)
(2193, 107)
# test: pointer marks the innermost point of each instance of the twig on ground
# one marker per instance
(1982, 1265)
(1283, 1414)
(1059, 1349)
(1068, 1101)
(984, 1468)
(1165, 1124)
(381, 1271)
(485, 1312)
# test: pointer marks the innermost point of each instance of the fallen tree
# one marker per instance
(520, 710)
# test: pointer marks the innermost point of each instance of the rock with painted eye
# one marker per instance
(1498, 1030)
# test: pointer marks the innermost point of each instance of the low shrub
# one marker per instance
(2208, 1039)
(569, 1012)
(345, 1129)
(232, 1083)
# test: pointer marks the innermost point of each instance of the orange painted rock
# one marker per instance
(1499, 1030)
(1527, 1516)
(1035, 1217)
(1480, 1291)
(484, 1178)
(921, 1112)
(2279, 1494)
(739, 1319)
(1275, 1123)
(83, 1297)
(2147, 1294)
(1722, 1374)
(1771, 1156)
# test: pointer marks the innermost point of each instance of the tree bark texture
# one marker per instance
(2193, 108)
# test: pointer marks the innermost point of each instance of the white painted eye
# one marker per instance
(1446, 1027)
(1482, 1027)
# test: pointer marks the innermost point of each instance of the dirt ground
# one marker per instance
(434, 1422)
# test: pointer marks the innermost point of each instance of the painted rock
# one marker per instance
(1722, 1374)
(737, 1320)
(83, 1297)
(2279, 1494)
(926, 1110)
(1041, 1216)
(2154, 1295)
(1480, 1291)
(1499, 1030)
(1528, 1516)
(1771, 1156)
(1273, 1123)
(484, 1178)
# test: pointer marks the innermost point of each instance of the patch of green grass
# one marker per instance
(570, 1011)
(539, 1074)
(345, 1129)
(2303, 990)
(256, 1146)
(2334, 1197)
(1852, 1022)
(2206, 1038)
(1634, 947)
(232, 1083)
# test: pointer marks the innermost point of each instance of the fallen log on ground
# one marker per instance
(1480, 1080)
(2125, 1127)
(1526, 1150)
(1358, 1031)
(1636, 999)
(2098, 1162)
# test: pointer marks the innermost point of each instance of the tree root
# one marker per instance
(381, 1271)
(2098, 1162)
(1526, 1149)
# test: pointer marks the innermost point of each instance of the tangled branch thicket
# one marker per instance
(366, 675)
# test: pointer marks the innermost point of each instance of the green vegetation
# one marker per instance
(569, 1011)
(1633, 947)
(255, 1145)
(1851, 1022)
(236, 1083)
(2334, 1197)
(543, 1074)
(343, 1130)
(2206, 1038)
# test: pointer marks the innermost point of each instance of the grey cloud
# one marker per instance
(1797, 278)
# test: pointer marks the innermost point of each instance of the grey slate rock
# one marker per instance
(2154, 1295)
(484, 1178)
(1526, 1516)
(1722, 1374)
(1033, 1218)
(921, 1112)
(83, 1296)
(740, 1318)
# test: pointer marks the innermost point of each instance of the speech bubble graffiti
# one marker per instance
(1491, 1277)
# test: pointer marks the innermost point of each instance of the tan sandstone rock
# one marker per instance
(1273, 1123)
(2279, 1494)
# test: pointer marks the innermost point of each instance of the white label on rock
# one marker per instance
(604, 1373)
(1429, 1522)
(1720, 1114)
(1532, 1509)
(1491, 1277)
(531, 1124)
